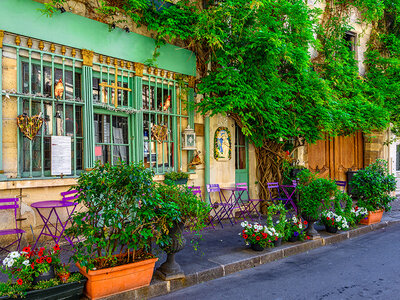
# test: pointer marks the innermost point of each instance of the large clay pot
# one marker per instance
(111, 281)
(311, 232)
(373, 217)
(170, 269)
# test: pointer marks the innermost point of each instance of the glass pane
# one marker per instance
(78, 86)
(25, 150)
(120, 153)
(25, 77)
(78, 121)
(163, 102)
(47, 82)
(48, 119)
(103, 154)
(242, 157)
(120, 130)
(68, 85)
(47, 154)
(58, 118)
(102, 128)
(79, 154)
(69, 120)
(35, 79)
(96, 90)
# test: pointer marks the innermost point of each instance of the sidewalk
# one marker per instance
(222, 252)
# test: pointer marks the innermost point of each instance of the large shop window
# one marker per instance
(62, 113)
(111, 138)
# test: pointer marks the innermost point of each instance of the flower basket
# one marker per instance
(111, 281)
(331, 229)
(373, 217)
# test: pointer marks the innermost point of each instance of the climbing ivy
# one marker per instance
(282, 69)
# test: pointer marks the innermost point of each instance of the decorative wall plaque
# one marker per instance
(29, 126)
(222, 144)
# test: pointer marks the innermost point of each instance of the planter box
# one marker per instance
(111, 281)
(373, 217)
(67, 291)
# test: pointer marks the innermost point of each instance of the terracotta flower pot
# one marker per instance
(373, 217)
(111, 281)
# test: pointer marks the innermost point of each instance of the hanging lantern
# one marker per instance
(188, 139)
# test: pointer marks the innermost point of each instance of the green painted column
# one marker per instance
(88, 116)
(138, 145)
(191, 120)
(207, 153)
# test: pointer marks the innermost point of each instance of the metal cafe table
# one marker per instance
(55, 229)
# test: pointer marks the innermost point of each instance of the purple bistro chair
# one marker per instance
(70, 195)
(282, 194)
(12, 204)
(341, 185)
(196, 190)
(249, 205)
(222, 207)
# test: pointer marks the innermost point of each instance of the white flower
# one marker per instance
(5, 261)
(26, 262)
(15, 254)
(10, 263)
(300, 226)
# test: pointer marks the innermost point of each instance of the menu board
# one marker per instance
(60, 155)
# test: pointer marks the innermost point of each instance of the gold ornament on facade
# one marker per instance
(29, 43)
(17, 40)
(73, 52)
(87, 56)
(162, 72)
(128, 65)
(41, 45)
(63, 50)
(1, 38)
(139, 69)
(168, 74)
(52, 48)
(115, 62)
(122, 64)
(101, 58)
(108, 60)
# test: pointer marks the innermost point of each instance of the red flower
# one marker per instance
(287, 152)
(41, 249)
(48, 259)
(243, 231)
(40, 253)
(257, 238)
(305, 222)
(32, 265)
(333, 223)
(37, 260)
(26, 249)
(253, 234)
(356, 207)
(264, 237)
(56, 247)
(19, 270)
(327, 218)
(19, 281)
(41, 260)
(245, 236)
(308, 237)
(276, 238)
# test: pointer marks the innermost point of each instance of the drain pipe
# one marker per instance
(206, 155)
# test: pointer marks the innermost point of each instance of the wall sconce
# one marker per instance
(188, 139)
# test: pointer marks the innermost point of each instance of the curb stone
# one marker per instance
(159, 287)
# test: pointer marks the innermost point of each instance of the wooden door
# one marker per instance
(333, 158)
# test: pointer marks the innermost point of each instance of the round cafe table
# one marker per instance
(54, 229)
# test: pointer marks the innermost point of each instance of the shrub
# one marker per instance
(373, 185)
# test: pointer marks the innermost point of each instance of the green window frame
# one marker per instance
(37, 73)
(112, 137)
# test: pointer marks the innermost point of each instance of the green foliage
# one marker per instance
(295, 227)
(373, 185)
(315, 194)
(280, 224)
(123, 211)
(193, 212)
(175, 175)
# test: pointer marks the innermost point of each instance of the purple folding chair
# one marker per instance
(70, 195)
(221, 208)
(249, 205)
(341, 184)
(196, 190)
(12, 205)
(282, 194)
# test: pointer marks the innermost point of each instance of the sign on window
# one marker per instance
(60, 155)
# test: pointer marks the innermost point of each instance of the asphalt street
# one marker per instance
(367, 267)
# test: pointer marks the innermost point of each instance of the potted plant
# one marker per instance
(372, 187)
(123, 215)
(176, 177)
(315, 196)
(193, 214)
(357, 213)
(333, 222)
(280, 224)
(29, 275)
(294, 229)
(258, 236)
(63, 272)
